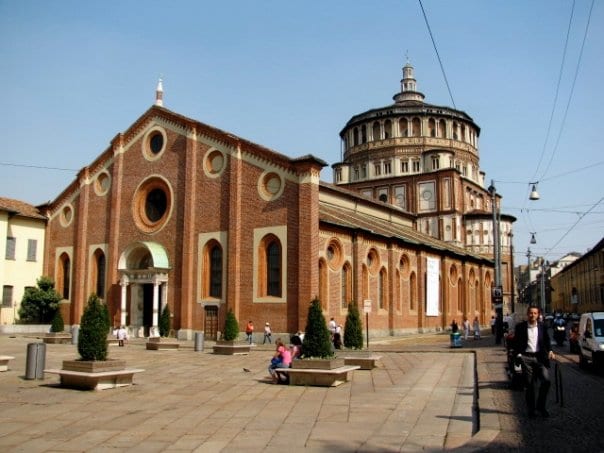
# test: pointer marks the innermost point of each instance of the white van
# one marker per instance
(591, 339)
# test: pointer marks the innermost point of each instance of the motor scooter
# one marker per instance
(559, 334)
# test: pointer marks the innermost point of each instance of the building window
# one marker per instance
(416, 166)
(323, 284)
(339, 175)
(32, 247)
(382, 283)
(402, 125)
(377, 169)
(273, 266)
(387, 168)
(64, 275)
(215, 260)
(356, 173)
(415, 127)
(404, 166)
(399, 195)
(364, 171)
(99, 260)
(7, 296)
(376, 131)
(363, 134)
(435, 162)
(11, 243)
(346, 285)
(387, 129)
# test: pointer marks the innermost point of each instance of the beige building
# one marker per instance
(21, 252)
(579, 286)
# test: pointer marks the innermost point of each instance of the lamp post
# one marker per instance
(496, 297)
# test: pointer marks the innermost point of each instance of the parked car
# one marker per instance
(591, 339)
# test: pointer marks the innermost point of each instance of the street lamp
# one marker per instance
(534, 194)
(497, 256)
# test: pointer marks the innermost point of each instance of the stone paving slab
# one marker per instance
(198, 401)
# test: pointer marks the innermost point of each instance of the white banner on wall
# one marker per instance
(432, 286)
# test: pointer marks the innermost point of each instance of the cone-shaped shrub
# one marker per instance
(231, 327)
(57, 322)
(317, 340)
(164, 322)
(92, 339)
(353, 329)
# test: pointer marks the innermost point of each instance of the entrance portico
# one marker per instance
(143, 268)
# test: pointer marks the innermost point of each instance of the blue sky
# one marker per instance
(289, 75)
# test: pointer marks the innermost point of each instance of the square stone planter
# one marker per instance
(319, 364)
(95, 375)
(94, 366)
(57, 338)
(231, 348)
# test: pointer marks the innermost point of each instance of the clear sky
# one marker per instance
(289, 75)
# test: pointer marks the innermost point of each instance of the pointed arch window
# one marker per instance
(273, 267)
(99, 273)
(215, 260)
(346, 285)
(63, 277)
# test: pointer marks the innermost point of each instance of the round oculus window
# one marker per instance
(152, 204)
(156, 142)
(270, 186)
(66, 215)
(102, 183)
(214, 163)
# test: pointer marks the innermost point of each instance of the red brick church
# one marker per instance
(178, 212)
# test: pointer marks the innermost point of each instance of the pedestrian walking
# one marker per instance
(249, 331)
(476, 327)
(267, 333)
(122, 335)
(466, 328)
(534, 352)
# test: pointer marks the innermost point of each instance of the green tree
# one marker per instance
(317, 339)
(164, 322)
(231, 327)
(57, 322)
(92, 339)
(39, 304)
(353, 329)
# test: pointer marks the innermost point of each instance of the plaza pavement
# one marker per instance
(421, 397)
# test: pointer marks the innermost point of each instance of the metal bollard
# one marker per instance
(36, 360)
(199, 341)
(75, 332)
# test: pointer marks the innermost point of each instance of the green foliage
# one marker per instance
(317, 339)
(231, 327)
(106, 317)
(57, 322)
(92, 339)
(164, 322)
(39, 304)
(353, 330)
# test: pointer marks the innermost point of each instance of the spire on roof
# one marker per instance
(408, 86)
(159, 94)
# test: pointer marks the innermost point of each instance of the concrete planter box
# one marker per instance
(318, 364)
(161, 344)
(231, 348)
(57, 338)
(95, 375)
(94, 366)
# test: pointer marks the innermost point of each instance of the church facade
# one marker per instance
(176, 212)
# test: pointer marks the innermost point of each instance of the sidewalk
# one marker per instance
(424, 399)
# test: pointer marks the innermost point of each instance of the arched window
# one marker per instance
(215, 274)
(431, 127)
(416, 127)
(382, 289)
(323, 284)
(273, 268)
(377, 135)
(63, 277)
(99, 274)
(387, 129)
(355, 136)
(413, 291)
(363, 134)
(346, 285)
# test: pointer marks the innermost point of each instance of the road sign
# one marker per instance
(367, 306)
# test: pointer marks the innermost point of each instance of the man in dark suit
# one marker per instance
(533, 350)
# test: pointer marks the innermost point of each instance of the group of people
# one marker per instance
(336, 333)
(249, 332)
(466, 327)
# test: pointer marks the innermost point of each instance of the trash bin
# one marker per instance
(198, 341)
(75, 331)
(36, 360)
(456, 340)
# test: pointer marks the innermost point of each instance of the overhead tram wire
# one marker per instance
(41, 167)
(572, 90)
(442, 68)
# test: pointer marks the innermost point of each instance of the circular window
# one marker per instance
(154, 143)
(102, 183)
(152, 204)
(334, 254)
(66, 215)
(373, 261)
(270, 186)
(214, 163)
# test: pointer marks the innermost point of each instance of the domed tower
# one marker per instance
(424, 159)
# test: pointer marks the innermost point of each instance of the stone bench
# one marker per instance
(162, 345)
(365, 362)
(95, 381)
(4, 359)
(318, 377)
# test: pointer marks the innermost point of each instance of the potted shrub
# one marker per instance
(316, 347)
(57, 335)
(92, 340)
(164, 322)
(228, 345)
(353, 329)
(57, 324)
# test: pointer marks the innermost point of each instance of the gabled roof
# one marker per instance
(20, 208)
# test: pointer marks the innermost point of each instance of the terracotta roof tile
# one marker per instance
(20, 208)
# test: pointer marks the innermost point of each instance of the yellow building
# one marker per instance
(22, 253)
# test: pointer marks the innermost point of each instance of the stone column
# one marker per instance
(124, 282)
(154, 331)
